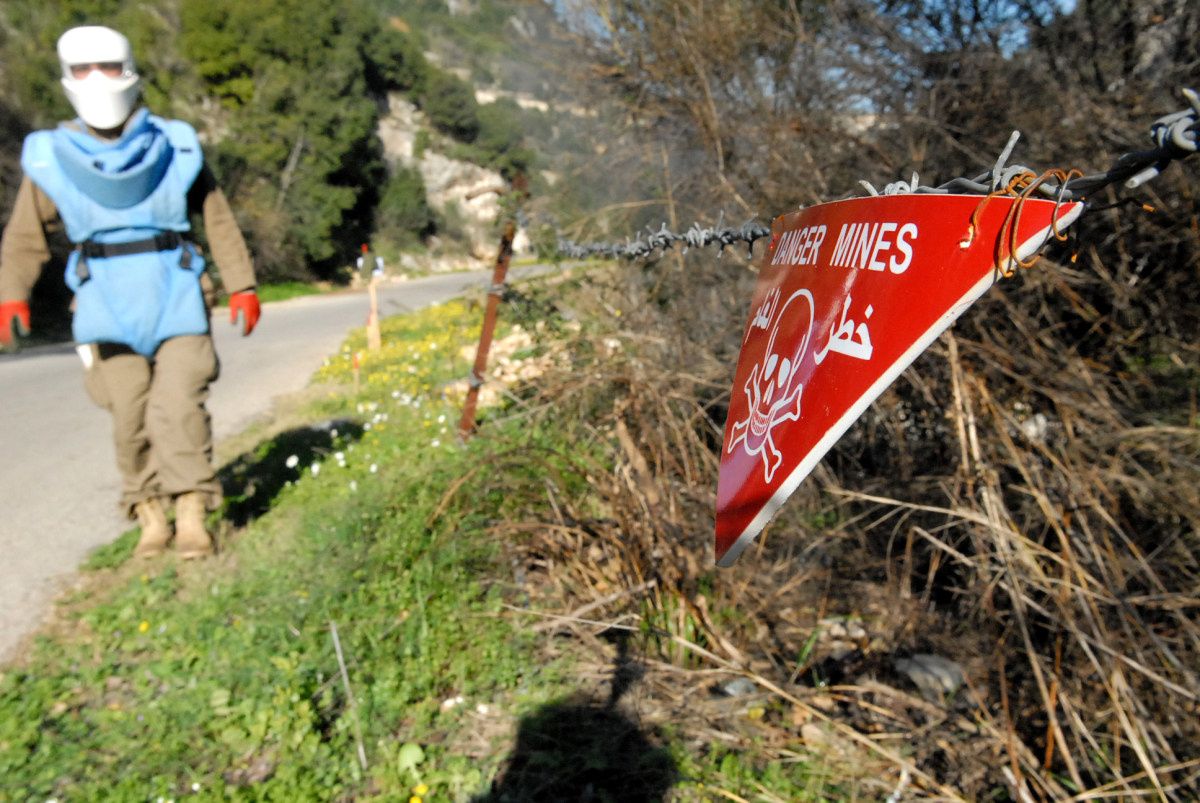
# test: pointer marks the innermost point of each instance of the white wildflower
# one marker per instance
(292, 461)
(315, 468)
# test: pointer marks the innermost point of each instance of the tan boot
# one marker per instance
(192, 538)
(156, 532)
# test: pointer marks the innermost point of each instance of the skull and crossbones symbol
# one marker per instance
(773, 389)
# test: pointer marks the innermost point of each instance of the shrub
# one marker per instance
(404, 213)
(450, 105)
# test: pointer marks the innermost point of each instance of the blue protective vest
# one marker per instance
(125, 191)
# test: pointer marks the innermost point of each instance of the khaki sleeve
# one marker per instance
(24, 248)
(225, 240)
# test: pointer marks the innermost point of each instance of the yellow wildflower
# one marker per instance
(144, 626)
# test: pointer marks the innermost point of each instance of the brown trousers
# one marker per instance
(161, 429)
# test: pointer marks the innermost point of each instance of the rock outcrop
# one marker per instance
(455, 188)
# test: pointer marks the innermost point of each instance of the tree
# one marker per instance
(301, 144)
(394, 61)
(404, 214)
(501, 139)
(450, 104)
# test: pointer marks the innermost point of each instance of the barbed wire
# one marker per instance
(1176, 136)
(664, 239)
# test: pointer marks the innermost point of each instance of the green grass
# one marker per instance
(219, 680)
(281, 291)
(285, 290)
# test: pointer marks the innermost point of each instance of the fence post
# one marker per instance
(374, 336)
(466, 426)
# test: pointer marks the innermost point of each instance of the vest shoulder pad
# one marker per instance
(41, 166)
(180, 134)
(184, 142)
(37, 153)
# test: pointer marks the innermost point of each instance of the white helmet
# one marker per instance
(98, 75)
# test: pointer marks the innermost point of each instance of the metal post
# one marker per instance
(467, 425)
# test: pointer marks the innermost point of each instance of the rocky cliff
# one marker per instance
(455, 188)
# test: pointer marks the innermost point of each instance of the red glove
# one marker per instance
(245, 302)
(14, 320)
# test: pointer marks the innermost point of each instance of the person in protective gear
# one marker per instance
(369, 264)
(123, 185)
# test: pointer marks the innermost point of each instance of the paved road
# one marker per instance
(58, 482)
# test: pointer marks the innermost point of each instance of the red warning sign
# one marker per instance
(848, 295)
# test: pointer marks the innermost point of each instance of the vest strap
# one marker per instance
(163, 241)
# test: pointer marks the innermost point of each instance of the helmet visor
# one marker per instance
(109, 69)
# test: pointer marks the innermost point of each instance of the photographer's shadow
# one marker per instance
(583, 749)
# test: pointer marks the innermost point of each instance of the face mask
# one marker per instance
(101, 101)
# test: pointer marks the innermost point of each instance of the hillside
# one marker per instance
(290, 116)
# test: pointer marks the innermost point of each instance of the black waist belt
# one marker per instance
(166, 241)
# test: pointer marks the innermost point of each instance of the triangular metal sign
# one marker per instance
(849, 294)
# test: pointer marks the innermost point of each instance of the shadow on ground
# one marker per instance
(252, 480)
(583, 749)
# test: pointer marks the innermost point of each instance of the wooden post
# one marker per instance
(466, 425)
(374, 338)
(520, 191)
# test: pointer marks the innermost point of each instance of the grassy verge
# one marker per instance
(170, 679)
(223, 679)
(282, 291)
(286, 290)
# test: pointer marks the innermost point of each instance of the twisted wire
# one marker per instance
(664, 239)
(1176, 136)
